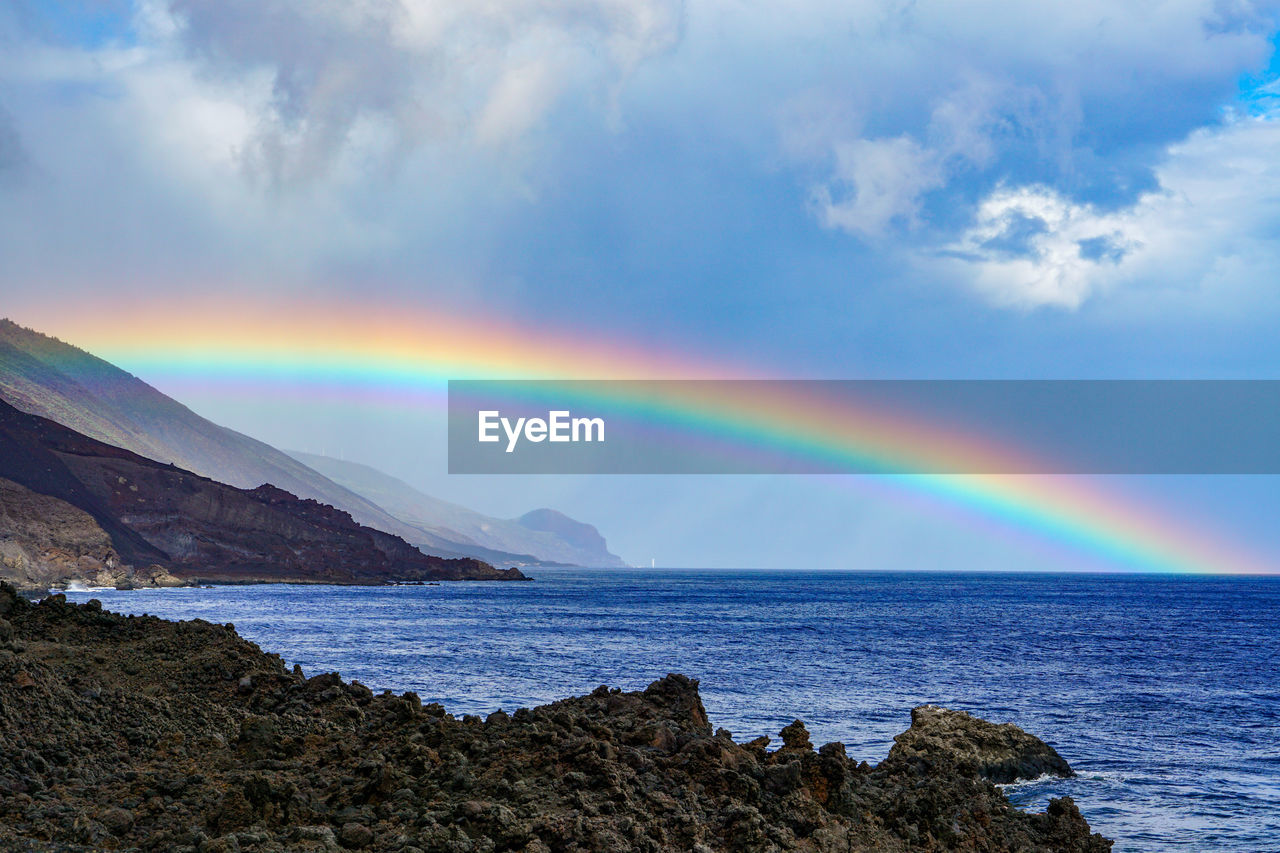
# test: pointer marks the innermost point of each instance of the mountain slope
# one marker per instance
(46, 377)
(547, 536)
(200, 528)
(579, 534)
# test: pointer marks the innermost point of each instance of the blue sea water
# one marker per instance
(1162, 692)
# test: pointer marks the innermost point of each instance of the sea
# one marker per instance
(1163, 692)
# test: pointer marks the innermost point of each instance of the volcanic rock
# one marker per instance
(134, 734)
(1000, 753)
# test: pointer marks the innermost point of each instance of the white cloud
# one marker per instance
(876, 183)
(517, 101)
(1206, 236)
(935, 95)
(1032, 248)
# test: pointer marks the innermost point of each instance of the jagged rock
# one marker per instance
(357, 836)
(835, 749)
(997, 752)
(118, 820)
(135, 733)
(795, 738)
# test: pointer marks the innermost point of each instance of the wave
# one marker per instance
(81, 586)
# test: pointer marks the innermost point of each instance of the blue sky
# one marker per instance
(834, 189)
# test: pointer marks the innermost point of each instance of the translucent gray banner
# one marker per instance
(864, 426)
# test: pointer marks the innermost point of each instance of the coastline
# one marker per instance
(131, 732)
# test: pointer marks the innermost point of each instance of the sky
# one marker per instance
(813, 189)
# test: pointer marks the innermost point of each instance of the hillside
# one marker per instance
(44, 376)
(199, 528)
(542, 535)
(47, 542)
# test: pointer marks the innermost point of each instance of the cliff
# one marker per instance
(46, 542)
(202, 529)
(136, 733)
(585, 538)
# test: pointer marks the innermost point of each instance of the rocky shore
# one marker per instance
(46, 542)
(133, 733)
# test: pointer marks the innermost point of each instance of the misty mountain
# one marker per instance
(544, 534)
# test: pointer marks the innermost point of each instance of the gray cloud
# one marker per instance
(14, 161)
(415, 138)
(407, 71)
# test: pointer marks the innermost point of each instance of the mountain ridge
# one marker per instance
(202, 529)
(44, 376)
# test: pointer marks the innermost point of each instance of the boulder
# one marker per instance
(997, 752)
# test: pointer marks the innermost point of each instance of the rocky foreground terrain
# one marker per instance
(134, 733)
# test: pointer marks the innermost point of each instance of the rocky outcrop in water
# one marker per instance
(198, 528)
(999, 753)
(135, 733)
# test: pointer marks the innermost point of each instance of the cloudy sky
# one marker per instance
(824, 189)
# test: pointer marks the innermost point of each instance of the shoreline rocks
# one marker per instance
(134, 733)
(47, 543)
(999, 753)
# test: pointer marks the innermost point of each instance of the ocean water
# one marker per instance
(1162, 692)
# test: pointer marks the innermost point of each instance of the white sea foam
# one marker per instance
(79, 586)
(1027, 783)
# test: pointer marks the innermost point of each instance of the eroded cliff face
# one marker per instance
(214, 532)
(202, 529)
(46, 542)
(136, 733)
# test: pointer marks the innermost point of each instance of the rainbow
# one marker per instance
(403, 357)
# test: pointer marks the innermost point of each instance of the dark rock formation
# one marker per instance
(47, 542)
(199, 528)
(135, 733)
(999, 753)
